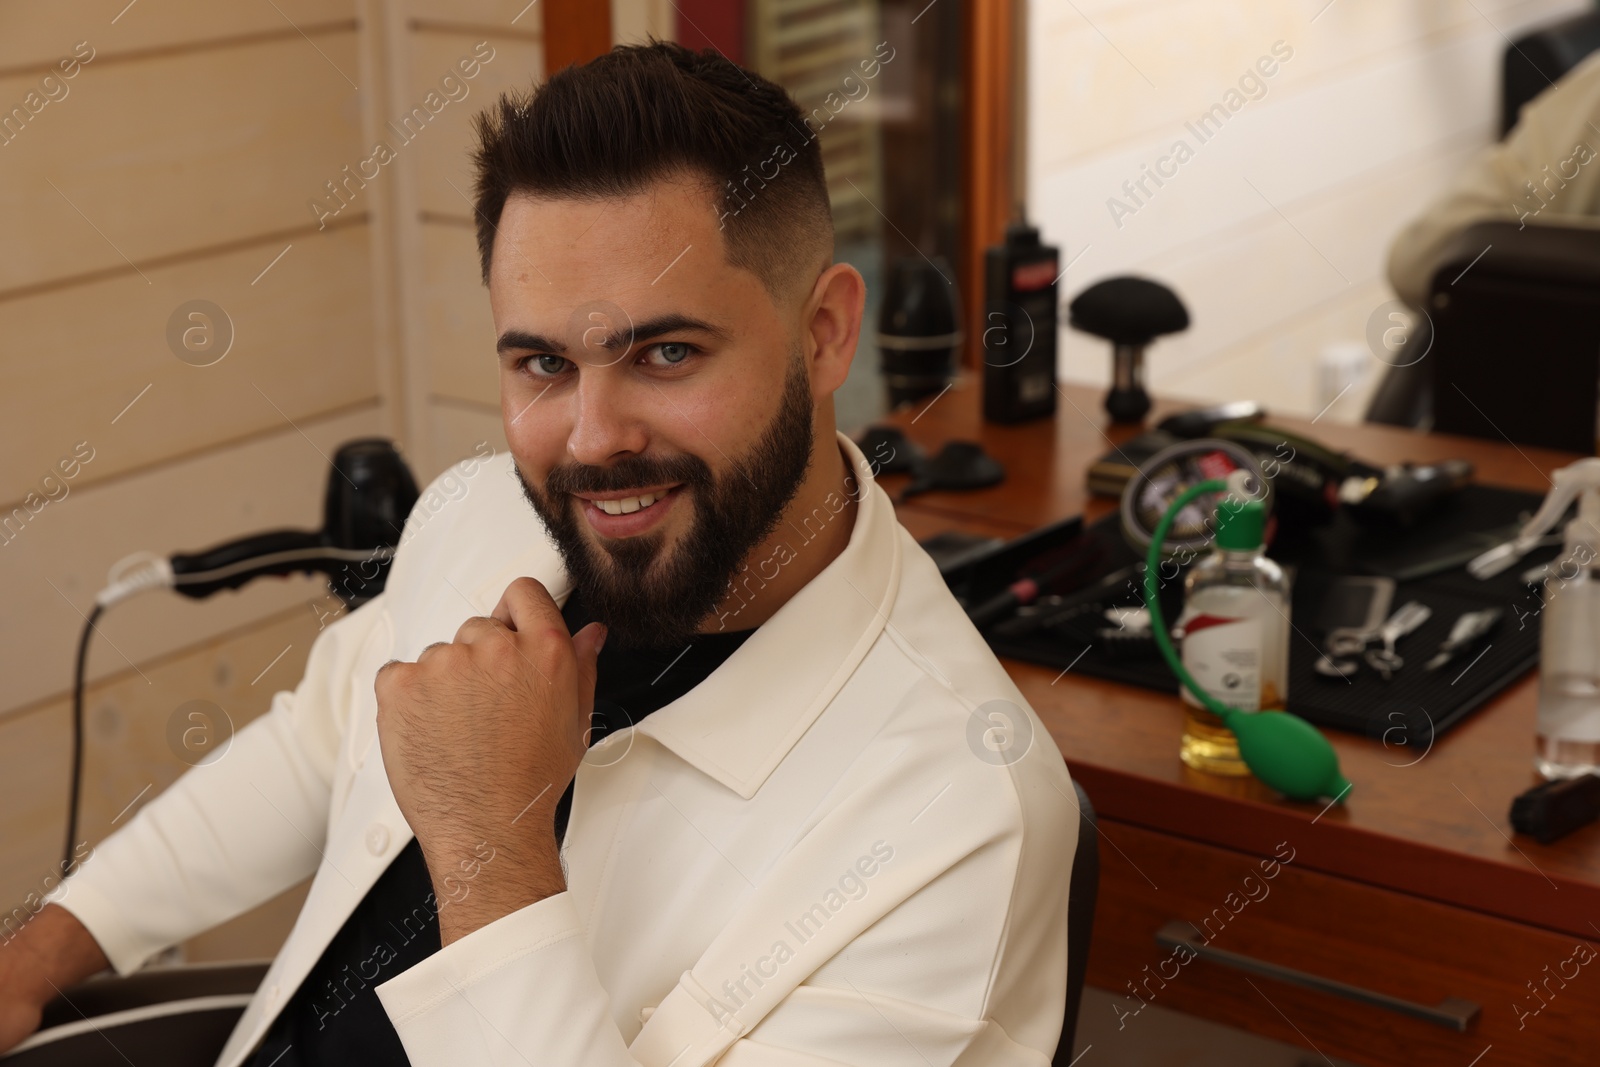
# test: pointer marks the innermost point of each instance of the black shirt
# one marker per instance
(335, 1017)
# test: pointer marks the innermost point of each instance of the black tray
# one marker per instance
(1411, 709)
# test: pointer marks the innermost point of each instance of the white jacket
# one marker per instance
(850, 844)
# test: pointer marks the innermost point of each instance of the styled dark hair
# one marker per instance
(641, 113)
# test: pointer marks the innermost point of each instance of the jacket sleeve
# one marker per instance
(954, 957)
(1545, 172)
(235, 830)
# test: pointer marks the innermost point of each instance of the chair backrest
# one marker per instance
(1082, 888)
(1538, 58)
(175, 1016)
(1516, 335)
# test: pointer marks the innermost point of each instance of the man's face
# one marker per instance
(635, 366)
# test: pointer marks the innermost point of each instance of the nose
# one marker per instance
(606, 419)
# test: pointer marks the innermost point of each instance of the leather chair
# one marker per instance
(1082, 889)
(140, 1009)
(161, 1017)
(1515, 346)
(1539, 58)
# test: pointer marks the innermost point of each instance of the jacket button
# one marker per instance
(377, 839)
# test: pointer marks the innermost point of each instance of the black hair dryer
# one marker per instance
(370, 493)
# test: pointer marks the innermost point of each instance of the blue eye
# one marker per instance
(550, 365)
(674, 351)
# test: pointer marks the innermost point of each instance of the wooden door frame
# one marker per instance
(992, 178)
(575, 31)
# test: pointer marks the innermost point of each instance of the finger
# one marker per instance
(423, 654)
(526, 605)
(478, 628)
(386, 677)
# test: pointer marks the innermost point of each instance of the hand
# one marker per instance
(52, 951)
(480, 738)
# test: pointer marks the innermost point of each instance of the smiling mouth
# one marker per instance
(629, 504)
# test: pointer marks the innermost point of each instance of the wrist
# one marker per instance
(492, 883)
(54, 952)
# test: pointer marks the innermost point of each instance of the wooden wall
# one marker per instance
(179, 162)
(1275, 233)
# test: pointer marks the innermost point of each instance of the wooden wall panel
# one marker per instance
(127, 759)
(459, 330)
(54, 567)
(117, 27)
(513, 14)
(302, 348)
(444, 163)
(172, 155)
(459, 427)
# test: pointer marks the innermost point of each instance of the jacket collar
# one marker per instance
(738, 724)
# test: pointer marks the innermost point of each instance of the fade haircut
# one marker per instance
(647, 112)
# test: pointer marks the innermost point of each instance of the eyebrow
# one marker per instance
(640, 331)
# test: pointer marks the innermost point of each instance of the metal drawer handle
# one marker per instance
(1452, 1013)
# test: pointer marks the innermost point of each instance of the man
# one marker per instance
(821, 825)
(1543, 173)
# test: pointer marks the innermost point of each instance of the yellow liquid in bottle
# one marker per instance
(1210, 747)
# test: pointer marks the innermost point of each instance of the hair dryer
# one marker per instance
(370, 493)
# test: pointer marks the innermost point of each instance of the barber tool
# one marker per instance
(1464, 633)
(1386, 660)
(1130, 313)
(888, 450)
(1579, 482)
(1059, 565)
(1200, 422)
(1551, 810)
(1352, 613)
(1150, 492)
(918, 328)
(1134, 620)
(1052, 611)
(958, 465)
(1283, 750)
(1019, 326)
(1567, 742)
(370, 493)
(1402, 494)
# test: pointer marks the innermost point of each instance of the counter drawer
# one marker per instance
(1367, 974)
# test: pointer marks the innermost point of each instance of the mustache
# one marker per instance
(633, 473)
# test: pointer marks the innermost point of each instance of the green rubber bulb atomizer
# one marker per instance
(1282, 750)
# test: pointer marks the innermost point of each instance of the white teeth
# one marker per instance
(628, 504)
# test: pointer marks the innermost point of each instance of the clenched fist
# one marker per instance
(480, 738)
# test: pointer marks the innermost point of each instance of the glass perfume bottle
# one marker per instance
(1235, 629)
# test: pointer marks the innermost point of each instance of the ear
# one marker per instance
(833, 322)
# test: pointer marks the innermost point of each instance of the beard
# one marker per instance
(647, 595)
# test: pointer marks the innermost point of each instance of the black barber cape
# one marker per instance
(335, 1017)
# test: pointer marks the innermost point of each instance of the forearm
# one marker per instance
(54, 951)
(224, 837)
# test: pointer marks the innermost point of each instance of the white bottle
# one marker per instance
(1567, 739)
(1567, 743)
